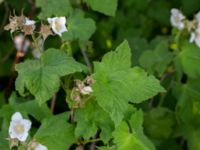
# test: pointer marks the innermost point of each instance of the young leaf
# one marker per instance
(41, 77)
(156, 60)
(131, 136)
(190, 60)
(159, 123)
(117, 83)
(79, 27)
(55, 133)
(107, 7)
(90, 118)
(52, 7)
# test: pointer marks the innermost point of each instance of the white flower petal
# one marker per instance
(86, 90)
(16, 116)
(197, 16)
(40, 147)
(22, 137)
(197, 41)
(62, 20)
(27, 124)
(29, 22)
(192, 37)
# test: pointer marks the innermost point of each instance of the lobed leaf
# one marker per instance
(42, 77)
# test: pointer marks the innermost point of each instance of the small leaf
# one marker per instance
(132, 137)
(190, 59)
(79, 28)
(107, 7)
(159, 123)
(90, 118)
(41, 77)
(55, 133)
(156, 60)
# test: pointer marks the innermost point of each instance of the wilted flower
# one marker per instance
(29, 26)
(45, 30)
(86, 90)
(177, 18)
(19, 127)
(58, 25)
(16, 23)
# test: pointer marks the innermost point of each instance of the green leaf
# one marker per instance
(51, 8)
(117, 83)
(156, 60)
(107, 7)
(3, 142)
(159, 123)
(130, 136)
(193, 138)
(41, 77)
(79, 28)
(56, 133)
(39, 112)
(190, 59)
(188, 106)
(90, 118)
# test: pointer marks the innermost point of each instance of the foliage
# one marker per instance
(107, 75)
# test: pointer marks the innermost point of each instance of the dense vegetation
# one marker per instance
(100, 74)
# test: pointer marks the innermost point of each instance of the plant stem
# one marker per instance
(91, 141)
(85, 56)
(53, 103)
(36, 43)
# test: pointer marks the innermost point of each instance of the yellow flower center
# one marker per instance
(58, 26)
(19, 128)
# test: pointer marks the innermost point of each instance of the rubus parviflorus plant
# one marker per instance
(88, 76)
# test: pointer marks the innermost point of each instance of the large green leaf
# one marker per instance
(41, 77)
(130, 136)
(90, 118)
(107, 7)
(53, 7)
(79, 28)
(190, 59)
(117, 83)
(56, 133)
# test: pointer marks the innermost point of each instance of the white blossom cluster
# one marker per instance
(179, 21)
(19, 131)
(57, 25)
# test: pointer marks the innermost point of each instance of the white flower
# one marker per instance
(58, 25)
(40, 147)
(19, 127)
(195, 36)
(177, 18)
(86, 90)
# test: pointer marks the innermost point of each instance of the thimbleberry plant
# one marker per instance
(107, 75)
